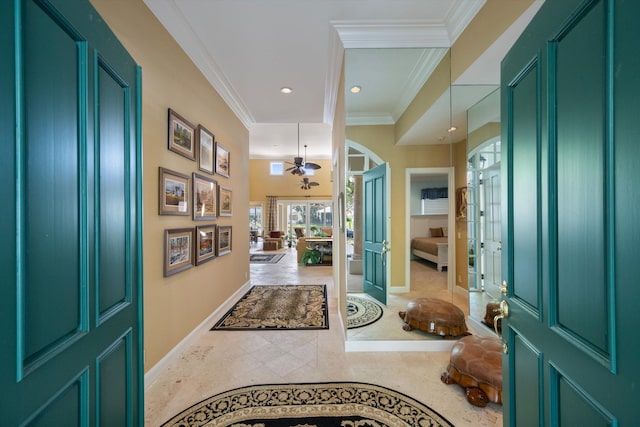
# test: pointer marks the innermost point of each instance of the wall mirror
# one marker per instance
(398, 111)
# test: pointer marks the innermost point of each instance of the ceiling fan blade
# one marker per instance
(313, 184)
(310, 165)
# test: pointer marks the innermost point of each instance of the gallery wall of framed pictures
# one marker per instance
(195, 194)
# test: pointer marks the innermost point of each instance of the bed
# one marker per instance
(434, 249)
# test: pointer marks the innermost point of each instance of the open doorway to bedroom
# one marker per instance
(430, 215)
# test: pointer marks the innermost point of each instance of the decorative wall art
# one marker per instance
(224, 240)
(173, 193)
(461, 203)
(205, 197)
(223, 161)
(178, 250)
(181, 136)
(205, 243)
(225, 201)
(205, 150)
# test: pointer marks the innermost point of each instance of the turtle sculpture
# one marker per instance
(434, 316)
(476, 365)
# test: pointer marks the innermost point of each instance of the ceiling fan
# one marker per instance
(299, 165)
(305, 184)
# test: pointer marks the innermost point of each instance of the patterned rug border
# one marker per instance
(275, 258)
(353, 323)
(236, 405)
(325, 311)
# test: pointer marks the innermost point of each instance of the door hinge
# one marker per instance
(481, 213)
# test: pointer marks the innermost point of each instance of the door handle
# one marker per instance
(383, 252)
(503, 313)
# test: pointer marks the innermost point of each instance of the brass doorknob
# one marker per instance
(503, 312)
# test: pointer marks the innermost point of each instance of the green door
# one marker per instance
(571, 144)
(71, 254)
(375, 242)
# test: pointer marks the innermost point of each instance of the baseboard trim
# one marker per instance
(152, 374)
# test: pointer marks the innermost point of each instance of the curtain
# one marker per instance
(434, 193)
(271, 214)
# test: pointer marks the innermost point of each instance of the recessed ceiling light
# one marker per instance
(452, 128)
(286, 90)
(355, 89)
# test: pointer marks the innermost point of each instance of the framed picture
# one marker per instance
(224, 240)
(205, 150)
(205, 197)
(225, 201)
(205, 243)
(181, 136)
(173, 193)
(223, 160)
(178, 250)
(461, 203)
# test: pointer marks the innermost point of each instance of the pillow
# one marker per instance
(275, 234)
(445, 231)
(436, 232)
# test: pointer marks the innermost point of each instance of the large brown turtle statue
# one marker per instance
(476, 365)
(434, 316)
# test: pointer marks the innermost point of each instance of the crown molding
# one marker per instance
(332, 83)
(372, 119)
(428, 62)
(391, 34)
(460, 15)
(173, 19)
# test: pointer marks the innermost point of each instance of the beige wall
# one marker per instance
(488, 24)
(483, 134)
(174, 306)
(287, 186)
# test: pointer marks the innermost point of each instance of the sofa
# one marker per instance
(275, 236)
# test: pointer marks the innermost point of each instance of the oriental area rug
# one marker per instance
(339, 404)
(361, 311)
(265, 258)
(273, 307)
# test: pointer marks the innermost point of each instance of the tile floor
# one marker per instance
(216, 361)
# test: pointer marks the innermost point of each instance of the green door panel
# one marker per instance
(570, 86)
(72, 257)
(375, 233)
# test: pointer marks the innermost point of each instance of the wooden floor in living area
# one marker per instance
(216, 361)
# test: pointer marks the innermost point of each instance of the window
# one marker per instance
(277, 168)
(255, 217)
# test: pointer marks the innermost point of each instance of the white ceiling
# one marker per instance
(249, 49)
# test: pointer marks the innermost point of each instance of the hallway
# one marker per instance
(215, 361)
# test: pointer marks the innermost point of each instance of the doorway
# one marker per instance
(423, 214)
